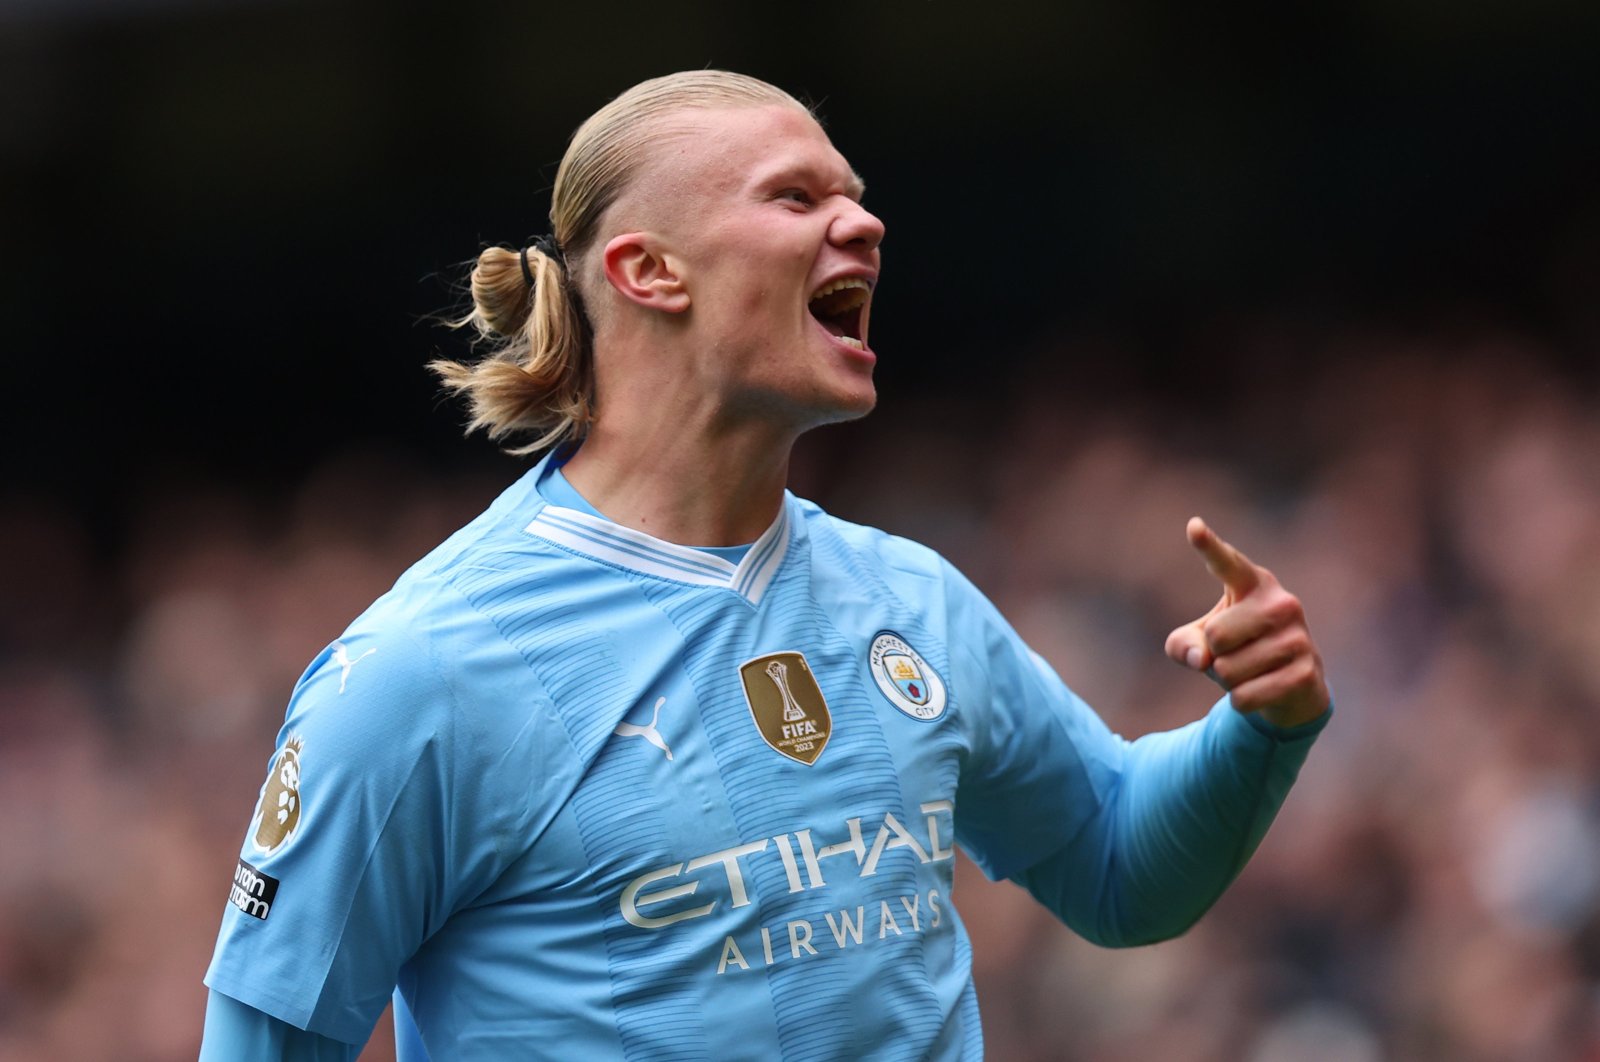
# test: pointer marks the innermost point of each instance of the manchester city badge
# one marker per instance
(905, 678)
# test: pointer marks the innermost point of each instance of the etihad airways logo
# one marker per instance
(909, 914)
(661, 897)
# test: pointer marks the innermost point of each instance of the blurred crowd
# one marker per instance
(1431, 890)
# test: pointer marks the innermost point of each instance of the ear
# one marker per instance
(640, 268)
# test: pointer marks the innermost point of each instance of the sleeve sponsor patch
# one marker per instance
(253, 892)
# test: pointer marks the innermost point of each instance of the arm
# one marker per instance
(1148, 834)
(236, 1032)
(366, 838)
(1186, 812)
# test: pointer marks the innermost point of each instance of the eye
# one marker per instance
(796, 195)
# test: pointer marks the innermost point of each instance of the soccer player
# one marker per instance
(654, 760)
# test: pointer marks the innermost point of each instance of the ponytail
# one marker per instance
(538, 378)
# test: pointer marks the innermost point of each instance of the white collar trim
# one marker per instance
(603, 540)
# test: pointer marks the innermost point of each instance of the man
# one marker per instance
(654, 760)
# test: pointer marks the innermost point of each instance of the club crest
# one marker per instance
(907, 680)
(278, 812)
(787, 705)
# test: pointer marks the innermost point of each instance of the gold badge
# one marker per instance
(278, 814)
(787, 705)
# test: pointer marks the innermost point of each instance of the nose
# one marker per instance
(856, 226)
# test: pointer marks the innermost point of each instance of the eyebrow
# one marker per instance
(854, 186)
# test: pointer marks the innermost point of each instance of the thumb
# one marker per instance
(1187, 644)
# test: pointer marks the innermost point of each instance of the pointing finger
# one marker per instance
(1230, 566)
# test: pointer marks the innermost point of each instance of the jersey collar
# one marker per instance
(600, 539)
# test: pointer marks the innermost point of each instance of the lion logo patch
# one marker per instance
(278, 811)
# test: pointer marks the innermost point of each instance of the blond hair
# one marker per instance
(537, 378)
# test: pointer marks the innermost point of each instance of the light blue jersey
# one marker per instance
(580, 793)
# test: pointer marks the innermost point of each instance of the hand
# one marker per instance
(1254, 642)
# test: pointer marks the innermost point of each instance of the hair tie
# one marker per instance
(545, 245)
(548, 246)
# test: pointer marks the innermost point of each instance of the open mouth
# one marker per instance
(841, 307)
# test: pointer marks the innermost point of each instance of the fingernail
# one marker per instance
(1193, 658)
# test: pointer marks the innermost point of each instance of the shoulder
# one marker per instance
(917, 574)
(456, 606)
(903, 557)
(434, 658)
(497, 543)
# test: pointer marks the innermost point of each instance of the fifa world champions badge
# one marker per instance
(787, 705)
(909, 682)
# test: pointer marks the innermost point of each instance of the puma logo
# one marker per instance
(341, 656)
(649, 732)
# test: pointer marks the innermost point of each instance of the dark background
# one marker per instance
(226, 225)
(1324, 273)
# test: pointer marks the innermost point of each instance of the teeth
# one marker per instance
(840, 285)
(839, 304)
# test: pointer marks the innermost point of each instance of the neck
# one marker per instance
(691, 487)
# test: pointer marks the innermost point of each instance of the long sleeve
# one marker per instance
(1185, 813)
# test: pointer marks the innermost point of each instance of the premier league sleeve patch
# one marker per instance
(278, 811)
(907, 680)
